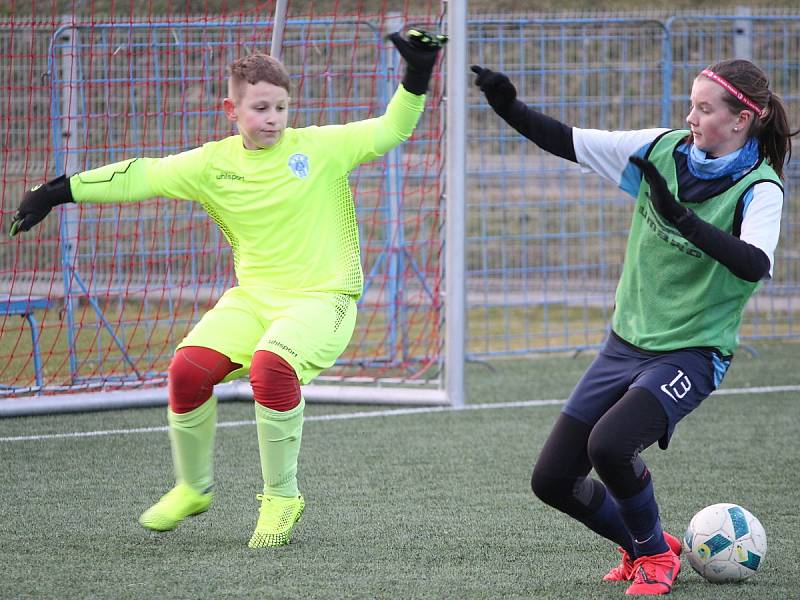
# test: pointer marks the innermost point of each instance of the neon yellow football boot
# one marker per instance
(276, 519)
(180, 502)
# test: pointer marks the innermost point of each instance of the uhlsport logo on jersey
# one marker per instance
(298, 163)
(678, 387)
(230, 176)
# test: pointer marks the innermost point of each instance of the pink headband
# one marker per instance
(761, 112)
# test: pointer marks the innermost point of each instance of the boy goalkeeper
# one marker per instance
(281, 198)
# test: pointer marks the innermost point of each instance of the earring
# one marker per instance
(736, 129)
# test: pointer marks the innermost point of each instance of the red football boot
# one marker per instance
(624, 570)
(654, 575)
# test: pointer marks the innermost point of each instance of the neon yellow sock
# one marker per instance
(192, 437)
(279, 436)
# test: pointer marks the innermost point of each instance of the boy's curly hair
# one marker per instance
(258, 67)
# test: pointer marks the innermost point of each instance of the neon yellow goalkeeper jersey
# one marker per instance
(287, 211)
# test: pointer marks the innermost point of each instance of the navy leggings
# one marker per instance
(612, 447)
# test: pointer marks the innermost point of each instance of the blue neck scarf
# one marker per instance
(733, 164)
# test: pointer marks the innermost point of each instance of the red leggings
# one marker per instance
(194, 371)
(275, 384)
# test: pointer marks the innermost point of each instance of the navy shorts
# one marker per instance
(680, 380)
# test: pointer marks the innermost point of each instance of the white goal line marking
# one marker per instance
(366, 414)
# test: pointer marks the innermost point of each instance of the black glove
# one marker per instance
(38, 202)
(497, 87)
(744, 260)
(419, 51)
(663, 200)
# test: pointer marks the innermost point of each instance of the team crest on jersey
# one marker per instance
(298, 163)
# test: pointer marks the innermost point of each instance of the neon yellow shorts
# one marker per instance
(308, 330)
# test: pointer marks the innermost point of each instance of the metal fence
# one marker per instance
(544, 242)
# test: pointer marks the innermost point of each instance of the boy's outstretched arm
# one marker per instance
(174, 176)
(420, 51)
(361, 141)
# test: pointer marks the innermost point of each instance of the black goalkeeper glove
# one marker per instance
(38, 202)
(663, 200)
(420, 52)
(497, 87)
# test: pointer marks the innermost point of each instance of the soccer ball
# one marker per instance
(725, 543)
